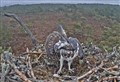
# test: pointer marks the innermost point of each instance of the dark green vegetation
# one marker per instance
(109, 11)
(97, 23)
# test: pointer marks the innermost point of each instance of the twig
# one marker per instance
(39, 57)
(91, 71)
(22, 76)
(5, 68)
(11, 79)
(32, 73)
(114, 67)
(5, 71)
(108, 78)
(25, 53)
(111, 72)
(36, 80)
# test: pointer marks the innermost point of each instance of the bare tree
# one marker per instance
(26, 29)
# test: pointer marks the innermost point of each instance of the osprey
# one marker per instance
(66, 48)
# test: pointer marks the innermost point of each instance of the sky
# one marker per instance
(12, 2)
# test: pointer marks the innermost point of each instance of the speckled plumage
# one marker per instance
(58, 44)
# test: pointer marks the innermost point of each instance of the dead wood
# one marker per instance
(22, 76)
(108, 78)
(91, 71)
(31, 70)
(26, 29)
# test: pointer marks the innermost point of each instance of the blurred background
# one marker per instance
(96, 21)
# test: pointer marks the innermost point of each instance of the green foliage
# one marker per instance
(75, 11)
(5, 35)
(78, 28)
(89, 40)
(111, 37)
(88, 30)
(78, 13)
(1, 49)
(85, 30)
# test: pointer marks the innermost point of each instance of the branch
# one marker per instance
(22, 76)
(31, 53)
(32, 73)
(11, 80)
(91, 71)
(114, 67)
(26, 29)
(108, 78)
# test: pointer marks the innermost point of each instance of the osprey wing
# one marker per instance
(73, 42)
(51, 40)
